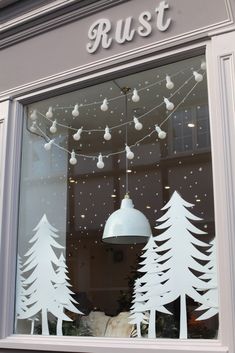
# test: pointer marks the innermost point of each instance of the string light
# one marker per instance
(107, 135)
(48, 145)
(169, 83)
(169, 105)
(203, 65)
(49, 113)
(73, 159)
(100, 163)
(160, 132)
(33, 115)
(133, 145)
(122, 124)
(129, 153)
(53, 128)
(121, 95)
(138, 125)
(77, 136)
(75, 111)
(135, 97)
(104, 106)
(33, 127)
(198, 77)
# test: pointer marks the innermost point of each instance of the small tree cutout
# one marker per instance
(152, 288)
(138, 315)
(181, 255)
(41, 291)
(211, 295)
(21, 298)
(64, 297)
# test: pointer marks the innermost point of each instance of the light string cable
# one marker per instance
(121, 95)
(133, 145)
(125, 123)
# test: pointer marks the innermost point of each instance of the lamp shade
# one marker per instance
(127, 225)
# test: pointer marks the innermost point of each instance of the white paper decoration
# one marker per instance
(47, 282)
(21, 298)
(64, 297)
(171, 276)
(211, 295)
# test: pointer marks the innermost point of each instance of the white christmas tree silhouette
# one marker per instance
(41, 291)
(181, 255)
(211, 296)
(64, 297)
(21, 298)
(137, 310)
(152, 285)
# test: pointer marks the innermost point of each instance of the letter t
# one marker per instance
(160, 10)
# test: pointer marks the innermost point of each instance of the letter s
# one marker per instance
(146, 29)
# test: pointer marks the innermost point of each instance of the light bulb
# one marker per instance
(107, 135)
(33, 127)
(129, 153)
(160, 132)
(53, 127)
(104, 105)
(169, 83)
(48, 145)
(75, 111)
(33, 115)
(198, 77)
(203, 65)
(77, 135)
(135, 97)
(100, 163)
(49, 113)
(169, 105)
(138, 125)
(73, 159)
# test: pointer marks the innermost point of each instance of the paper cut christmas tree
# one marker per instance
(152, 288)
(21, 298)
(64, 297)
(211, 296)
(41, 292)
(181, 255)
(138, 315)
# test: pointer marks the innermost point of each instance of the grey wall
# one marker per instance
(64, 48)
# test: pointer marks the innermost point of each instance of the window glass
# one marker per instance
(89, 264)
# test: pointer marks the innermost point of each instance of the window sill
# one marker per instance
(102, 345)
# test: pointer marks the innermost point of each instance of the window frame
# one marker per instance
(221, 142)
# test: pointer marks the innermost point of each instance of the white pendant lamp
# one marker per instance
(127, 225)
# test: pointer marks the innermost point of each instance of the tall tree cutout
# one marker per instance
(181, 255)
(21, 298)
(152, 287)
(64, 297)
(211, 295)
(41, 280)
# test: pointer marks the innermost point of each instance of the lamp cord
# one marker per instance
(126, 137)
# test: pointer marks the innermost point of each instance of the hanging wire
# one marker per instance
(126, 122)
(133, 145)
(126, 140)
(121, 95)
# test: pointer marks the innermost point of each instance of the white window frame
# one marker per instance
(220, 53)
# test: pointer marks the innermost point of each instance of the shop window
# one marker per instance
(146, 136)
